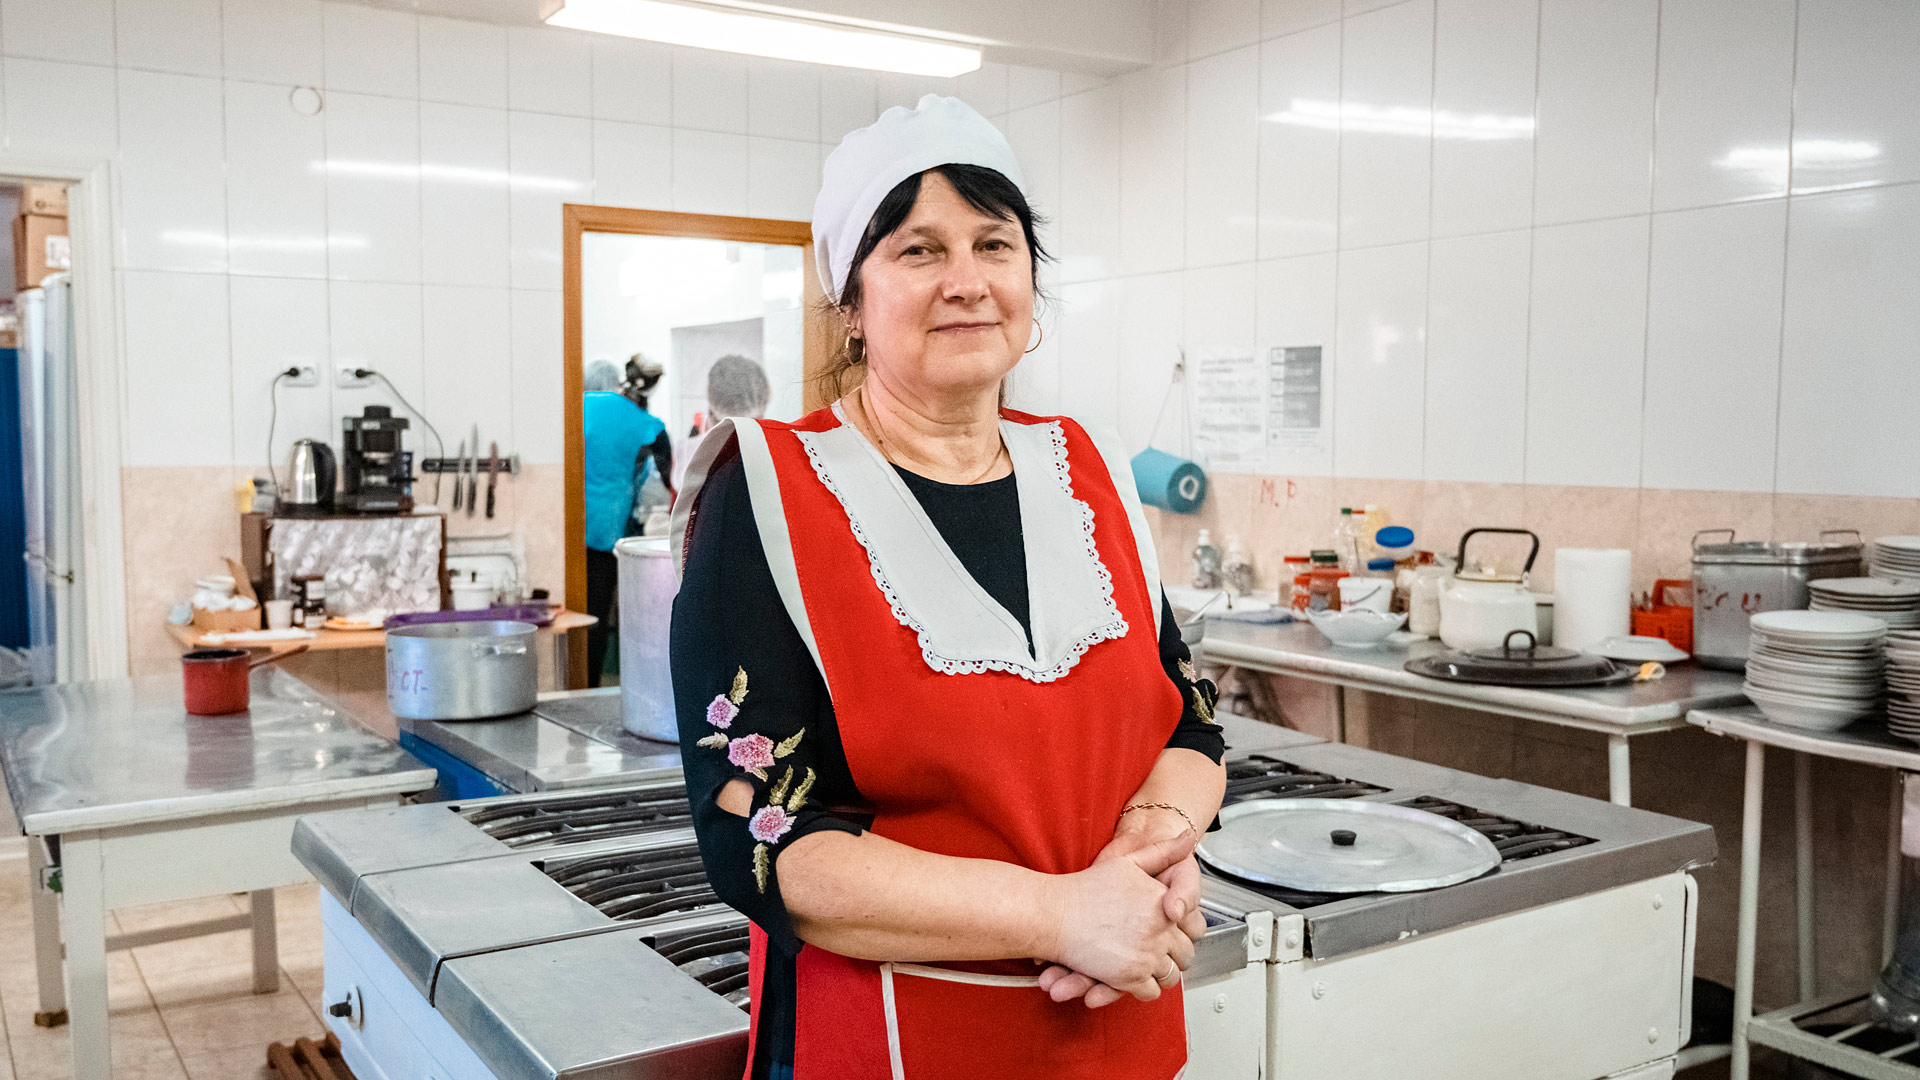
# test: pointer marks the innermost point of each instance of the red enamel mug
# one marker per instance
(216, 679)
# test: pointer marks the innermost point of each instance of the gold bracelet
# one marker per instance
(1163, 806)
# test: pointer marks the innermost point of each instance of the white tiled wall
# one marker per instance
(412, 224)
(1659, 243)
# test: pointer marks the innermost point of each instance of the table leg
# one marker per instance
(266, 942)
(83, 913)
(1896, 866)
(562, 656)
(46, 937)
(1803, 871)
(1749, 925)
(1619, 771)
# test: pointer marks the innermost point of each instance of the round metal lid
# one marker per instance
(1345, 846)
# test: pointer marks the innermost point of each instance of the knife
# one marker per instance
(459, 463)
(473, 475)
(493, 473)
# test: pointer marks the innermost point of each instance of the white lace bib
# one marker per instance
(961, 628)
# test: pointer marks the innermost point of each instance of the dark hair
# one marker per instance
(986, 190)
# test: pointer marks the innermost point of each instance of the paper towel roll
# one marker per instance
(1169, 482)
(1592, 590)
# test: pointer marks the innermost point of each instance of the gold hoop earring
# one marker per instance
(1037, 344)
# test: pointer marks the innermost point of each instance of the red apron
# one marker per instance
(987, 765)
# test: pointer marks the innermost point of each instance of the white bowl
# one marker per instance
(1639, 649)
(1795, 711)
(1356, 629)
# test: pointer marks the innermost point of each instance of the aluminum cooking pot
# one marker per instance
(461, 670)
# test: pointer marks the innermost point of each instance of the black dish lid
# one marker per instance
(1522, 661)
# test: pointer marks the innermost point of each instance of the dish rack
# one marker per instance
(1662, 618)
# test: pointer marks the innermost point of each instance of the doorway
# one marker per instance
(655, 304)
(43, 619)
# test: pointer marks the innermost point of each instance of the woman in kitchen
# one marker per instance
(622, 444)
(943, 743)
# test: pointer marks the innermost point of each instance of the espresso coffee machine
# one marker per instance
(376, 474)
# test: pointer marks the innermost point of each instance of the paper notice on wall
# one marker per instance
(1229, 411)
(1293, 398)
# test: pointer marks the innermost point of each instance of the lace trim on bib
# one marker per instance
(1114, 626)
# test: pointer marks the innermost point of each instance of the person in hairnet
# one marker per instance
(736, 386)
(623, 444)
(943, 743)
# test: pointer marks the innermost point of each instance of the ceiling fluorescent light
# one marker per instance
(767, 35)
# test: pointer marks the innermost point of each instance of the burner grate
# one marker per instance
(1263, 777)
(1515, 840)
(716, 958)
(635, 885)
(592, 816)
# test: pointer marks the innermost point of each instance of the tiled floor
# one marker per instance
(182, 1010)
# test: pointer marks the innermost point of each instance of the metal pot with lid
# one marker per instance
(1481, 606)
(1734, 580)
(1531, 665)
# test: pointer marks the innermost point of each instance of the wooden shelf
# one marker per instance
(324, 640)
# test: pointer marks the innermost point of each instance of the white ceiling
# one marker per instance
(1098, 37)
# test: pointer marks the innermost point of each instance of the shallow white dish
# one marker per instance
(1864, 588)
(1356, 629)
(1827, 626)
(1639, 649)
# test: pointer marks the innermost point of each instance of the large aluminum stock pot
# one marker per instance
(461, 670)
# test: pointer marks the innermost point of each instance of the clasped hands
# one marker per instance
(1129, 921)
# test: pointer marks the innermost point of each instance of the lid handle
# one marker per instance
(1460, 562)
(1506, 643)
(1343, 837)
(1711, 532)
(1855, 533)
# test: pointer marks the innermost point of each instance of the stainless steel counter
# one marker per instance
(571, 739)
(1299, 650)
(114, 752)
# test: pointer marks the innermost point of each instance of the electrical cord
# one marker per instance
(439, 446)
(273, 416)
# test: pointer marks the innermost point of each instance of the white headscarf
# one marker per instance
(870, 162)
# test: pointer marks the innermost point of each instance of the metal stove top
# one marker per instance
(1554, 845)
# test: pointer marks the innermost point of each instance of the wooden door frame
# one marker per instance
(578, 219)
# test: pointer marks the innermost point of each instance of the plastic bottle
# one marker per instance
(1237, 569)
(1343, 539)
(1206, 563)
(1423, 601)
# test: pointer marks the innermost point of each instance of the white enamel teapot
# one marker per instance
(1481, 606)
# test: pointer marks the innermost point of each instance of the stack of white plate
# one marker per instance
(1894, 558)
(1896, 603)
(1903, 684)
(1816, 669)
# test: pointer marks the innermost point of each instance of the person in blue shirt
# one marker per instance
(624, 444)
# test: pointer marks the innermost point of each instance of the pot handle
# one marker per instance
(1460, 561)
(1506, 643)
(1711, 532)
(499, 648)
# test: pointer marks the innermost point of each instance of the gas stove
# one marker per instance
(1585, 929)
(573, 933)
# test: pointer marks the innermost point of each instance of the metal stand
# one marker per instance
(1788, 1030)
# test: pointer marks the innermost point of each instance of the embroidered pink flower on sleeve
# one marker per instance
(720, 712)
(751, 752)
(769, 824)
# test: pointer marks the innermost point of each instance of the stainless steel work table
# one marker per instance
(1618, 712)
(572, 738)
(1869, 743)
(126, 799)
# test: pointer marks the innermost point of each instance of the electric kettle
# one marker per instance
(1480, 607)
(310, 476)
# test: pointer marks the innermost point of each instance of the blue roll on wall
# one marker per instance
(13, 508)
